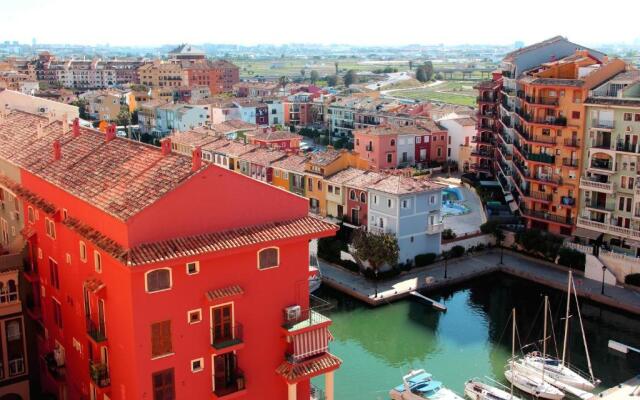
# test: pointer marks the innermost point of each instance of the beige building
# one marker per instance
(36, 105)
(161, 74)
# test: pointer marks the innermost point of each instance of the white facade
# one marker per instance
(460, 134)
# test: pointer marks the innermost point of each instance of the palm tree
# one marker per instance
(283, 80)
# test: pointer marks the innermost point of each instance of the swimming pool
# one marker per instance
(451, 208)
(452, 193)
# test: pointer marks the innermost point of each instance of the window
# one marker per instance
(57, 313)
(575, 114)
(352, 194)
(50, 227)
(193, 267)
(393, 142)
(31, 216)
(161, 339)
(405, 203)
(163, 385)
(636, 117)
(53, 273)
(389, 203)
(432, 199)
(336, 191)
(363, 197)
(197, 365)
(97, 261)
(268, 258)
(310, 184)
(627, 116)
(158, 280)
(330, 188)
(418, 139)
(83, 252)
(319, 185)
(375, 199)
(389, 157)
(194, 316)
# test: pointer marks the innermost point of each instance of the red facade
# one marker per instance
(156, 292)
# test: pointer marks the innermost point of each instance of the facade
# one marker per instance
(104, 105)
(378, 146)
(409, 209)
(180, 117)
(36, 105)
(289, 174)
(609, 189)
(270, 137)
(431, 143)
(462, 134)
(144, 311)
(488, 129)
(159, 74)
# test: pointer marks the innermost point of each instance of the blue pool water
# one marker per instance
(451, 198)
(452, 193)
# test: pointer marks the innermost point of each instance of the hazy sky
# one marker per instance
(144, 22)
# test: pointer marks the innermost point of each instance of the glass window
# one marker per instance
(159, 279)
(163, 385)
(268, 258)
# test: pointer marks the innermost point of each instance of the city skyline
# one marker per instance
(283, 25)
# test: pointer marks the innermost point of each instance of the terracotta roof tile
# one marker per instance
(263, 156)
(395, 184)
(291, 163)
(270, 135)
(221, 293)
(294, 372)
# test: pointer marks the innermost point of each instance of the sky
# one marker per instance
(357, 22)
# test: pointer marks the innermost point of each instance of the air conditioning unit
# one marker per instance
(292, 313)
(43, 110)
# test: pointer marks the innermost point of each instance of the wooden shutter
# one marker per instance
(161, 338)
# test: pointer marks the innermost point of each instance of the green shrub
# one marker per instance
(329, 249)
(456, 251)
(571, 258)
(539, 243)
(448, 234)
(425, 259)
(632, 279)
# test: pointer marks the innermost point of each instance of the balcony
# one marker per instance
(506, 106)
(433, 229)
(540, 158)
(379, 229)
(599, 186)
(480, 167)
(568, 201)
(603, 227)
(99, 373)
(234, 385)
(544, 139)
(546, 216)
(538, 196)
(627, 147)
(506, 121)
(485, 99)
(542, 100)
(56, 370)
(573, 142)
(230, 337)
(96, 331)
(602, 124)
(33, 307)
(600, 206)
(570, 162)
(482, 154)
(295, 321)
(598, 163)
(507, 74)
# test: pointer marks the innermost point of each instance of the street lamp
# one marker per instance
(376, 282)
(604, 269)
(446, 257)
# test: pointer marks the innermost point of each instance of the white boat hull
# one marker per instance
(560, 373)
(443, 394)
(476, 390)
(535, 387)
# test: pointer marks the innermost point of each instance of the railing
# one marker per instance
(605, 145)
(95, 331)
(557, 180)
(480, 167)
(538, 195)
(506, 106)
(7, 296)
(572, 142)
(481, 153)
(435, 228)
(16, 366)
(231, 336)
(570, 162)
(628, 147)
(506, 121)
(308, 317)
(591, 184)
(599, 206)
(379, 229)
(602, 124)
(485, 99)
(57, 372)
(237, 383)
(608, 228)
(601, 164)
(545, 215)
(540, 157)
(542, 100)
(99, 373)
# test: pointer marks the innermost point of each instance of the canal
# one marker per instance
(471, 339)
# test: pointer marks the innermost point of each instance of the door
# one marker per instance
(423, 154)
(104, 356)
(340, 211)
(101, 320)
(355, 218)
(222, 322)
(224, 367)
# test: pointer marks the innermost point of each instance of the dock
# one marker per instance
(432, 302)
(626, 390)
(467, 268)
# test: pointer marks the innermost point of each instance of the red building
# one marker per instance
(358, 197)
(431, 142)
(150, 282)
(219, 76)
(270, 137)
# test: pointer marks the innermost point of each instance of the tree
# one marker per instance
(350, 78)
(82, 108)
(314, 76)
(421, 74)
(303, 72)
(124, 116)
(493, 228)
(332, 80)
(428, 69)
(377, 249)
(283, 81)
(336, 64)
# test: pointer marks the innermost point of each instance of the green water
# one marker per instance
(472, 339)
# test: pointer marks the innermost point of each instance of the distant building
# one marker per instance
(462, 136)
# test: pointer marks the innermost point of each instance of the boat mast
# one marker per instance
(566, 318)
(584, 338)
(544, 335)
(513, 349)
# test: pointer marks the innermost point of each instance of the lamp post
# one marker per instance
(604, 269)
(376, 275)
(446, 258)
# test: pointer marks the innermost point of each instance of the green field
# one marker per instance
(452, 92)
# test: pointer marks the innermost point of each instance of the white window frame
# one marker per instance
(201, 361)
(190, 312)
(82, 246)
(146, 286)
(97, 261)
(258, 258)
(196, 263)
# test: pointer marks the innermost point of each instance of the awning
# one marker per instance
(586, 233)
(221, 293)
(310, 343)
(295, 372)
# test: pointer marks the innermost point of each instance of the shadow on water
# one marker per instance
(473, 338)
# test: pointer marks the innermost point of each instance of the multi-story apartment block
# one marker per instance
(154, 294)
(609, 188)
(270, 137)
(160, 74)
(409, 209)
(487, 128)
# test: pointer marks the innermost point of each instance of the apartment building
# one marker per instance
(462, 138)
(161, 74)
(609, 189)
(153, 294)
(408, 208)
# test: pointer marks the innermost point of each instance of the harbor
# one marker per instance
(471, 339)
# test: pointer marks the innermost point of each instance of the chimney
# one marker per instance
(196, 159)
(165, 146)
(65, 123)
(57, 150)
(76, 127)
(111, 133)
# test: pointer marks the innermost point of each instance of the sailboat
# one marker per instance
(521, 377)
(476, 389)
(557, 371)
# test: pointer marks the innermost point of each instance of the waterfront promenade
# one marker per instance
(469, 267)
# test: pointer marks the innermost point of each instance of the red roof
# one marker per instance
(294, 372)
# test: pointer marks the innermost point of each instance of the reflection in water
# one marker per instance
(472, 339)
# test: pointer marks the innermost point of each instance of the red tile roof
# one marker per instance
(121, 177)
(292, 163)
(263, 156)
(221, 293)
(294, 372)
(270, 135)
(395, 184)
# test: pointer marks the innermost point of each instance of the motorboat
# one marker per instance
(418, 385)
(476, 389)
(315, 277)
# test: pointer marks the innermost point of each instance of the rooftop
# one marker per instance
(267, 134)
(292, 163)
(398, 185)
(263, 156)
(323, 158)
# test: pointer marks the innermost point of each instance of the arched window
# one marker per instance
(352, 194)
(268, 258)
(393, 142)
(158, 279)
(363, 197)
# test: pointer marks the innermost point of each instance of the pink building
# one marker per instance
(377, 146)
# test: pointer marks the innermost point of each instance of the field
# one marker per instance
(452, 92)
